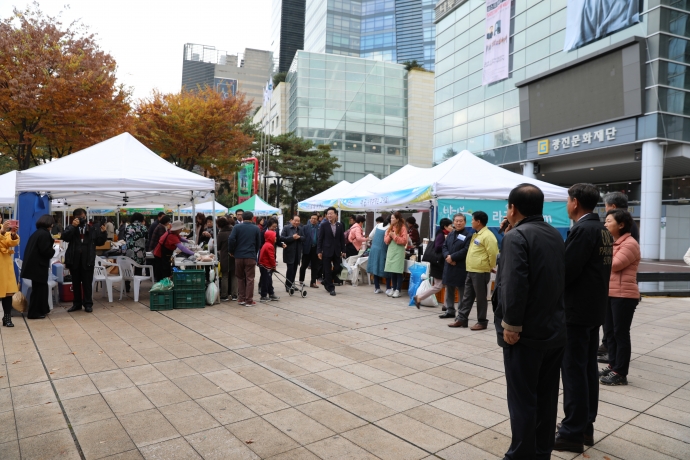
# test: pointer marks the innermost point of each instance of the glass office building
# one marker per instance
(613, 111)
(357, 106)
(385, 30)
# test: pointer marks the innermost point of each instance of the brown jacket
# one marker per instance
(626, 259)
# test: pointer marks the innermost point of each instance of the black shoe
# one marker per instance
(333, 292)
(588, 439)
(74, 308)
(274, 298)
(447, 316)
(603, 359)
(604, 371)
(602, 350)
(264, 299)
(613, 379)
(7, 320)
(223, 299)
(566, 445)
(88, 309)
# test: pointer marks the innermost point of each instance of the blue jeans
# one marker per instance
(377, 282)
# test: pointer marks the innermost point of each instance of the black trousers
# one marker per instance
(331, 264)
(291, 273)
(82, 278)
(38, 301)
(580, 382)
(619, 316)
(475, 288)
(310, 259)
(265, 282)
(532, 377)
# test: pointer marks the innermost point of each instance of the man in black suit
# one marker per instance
(331, 247)
(529, 315)
(309, 256)
(588, 254)
(80, 257)
(291, 238)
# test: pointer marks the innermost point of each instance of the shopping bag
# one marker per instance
(211, 294)
(165, 284)
(429, 301)
(19, 302)
(416, 272)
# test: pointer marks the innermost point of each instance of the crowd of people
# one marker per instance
(549, 302)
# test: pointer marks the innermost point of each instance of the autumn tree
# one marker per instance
(197, 129)
(305, 170)
(58, 89)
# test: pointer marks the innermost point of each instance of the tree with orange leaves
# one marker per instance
(58, 89)
(196, 129)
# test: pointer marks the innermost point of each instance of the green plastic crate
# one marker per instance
(190, 299)
(189, 280)
(161, 300)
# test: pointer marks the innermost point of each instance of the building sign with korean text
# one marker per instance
(595, 137)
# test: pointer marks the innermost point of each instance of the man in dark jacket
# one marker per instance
(151, 242)
(244, 245)
(588, 254)
(331, 247)
(454, 272)
(530, 322)
(80, 257)
(291, 237)
(310, 231)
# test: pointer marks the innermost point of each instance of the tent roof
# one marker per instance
(483, 180)
(324, 199)
(256, 205)
(8, 186)
(463, 176)
(105, 173)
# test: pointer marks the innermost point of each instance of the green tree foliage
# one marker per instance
(306, 170)
(413, 64)
(279, 78)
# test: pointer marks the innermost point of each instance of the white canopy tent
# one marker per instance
(324, 199)
(118, 172)
(465, 176)
(8, 187)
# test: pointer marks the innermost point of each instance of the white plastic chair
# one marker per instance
(127, 266)
(100, 275)
(352, 271)
(53, 291)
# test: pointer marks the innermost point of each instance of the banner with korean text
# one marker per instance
(555, 213)
(496, 43)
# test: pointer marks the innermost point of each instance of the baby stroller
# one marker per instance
(292, 289)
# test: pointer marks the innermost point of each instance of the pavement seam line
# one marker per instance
(310, 391)
(57, 396)
(9, 388)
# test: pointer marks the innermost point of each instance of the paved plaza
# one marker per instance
(357, 376)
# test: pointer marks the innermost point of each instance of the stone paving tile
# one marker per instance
(356, 376)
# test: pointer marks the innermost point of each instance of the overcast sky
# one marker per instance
(146, 37)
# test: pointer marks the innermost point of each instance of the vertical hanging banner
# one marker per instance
(245, 178)
(496, 43)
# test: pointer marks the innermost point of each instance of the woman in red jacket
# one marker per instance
(623, 297)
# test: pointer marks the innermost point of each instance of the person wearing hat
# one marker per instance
(171, 240)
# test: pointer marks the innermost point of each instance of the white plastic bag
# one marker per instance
(429, 301)
(211, 294)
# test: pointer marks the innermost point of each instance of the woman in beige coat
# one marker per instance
(8, 280)
(623, 297)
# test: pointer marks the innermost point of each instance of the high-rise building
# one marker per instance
(581, 100)
(229, 73)
(384, 30)
(287, 31)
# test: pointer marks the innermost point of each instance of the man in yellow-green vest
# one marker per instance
(481, 259)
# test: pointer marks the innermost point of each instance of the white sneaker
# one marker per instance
(396, 294)
(389, 292)
(377, 291)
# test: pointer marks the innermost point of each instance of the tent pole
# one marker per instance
(215, 239)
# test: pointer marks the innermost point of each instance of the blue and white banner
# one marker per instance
(592, 20)
(387, 201)
(555, 213)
